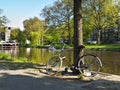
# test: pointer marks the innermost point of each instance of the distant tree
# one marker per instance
(21, 38)
(53, 35)
(3, 19)
(99, 14)
(35, 38)
(60, 14)
(34, 26)
(117, 3)
(17, 34)
(14, 33)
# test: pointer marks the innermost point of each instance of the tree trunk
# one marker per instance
(98, 38)
(78, 34)
(69, 34)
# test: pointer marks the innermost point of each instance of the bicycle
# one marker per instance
(87, 64)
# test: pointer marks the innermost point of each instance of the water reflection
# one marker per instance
(110, 59)
(35, 55)
(11, 51)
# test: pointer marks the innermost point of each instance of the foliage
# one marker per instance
(34, 27)
(21, 37)
(81, 76)
(14, 33)
(4, 56)
(60, 15)
(17, 34)
(3, 19)
(98, 15)
(53, 36)
(35, 38)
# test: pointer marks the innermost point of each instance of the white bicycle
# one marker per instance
(87, 63)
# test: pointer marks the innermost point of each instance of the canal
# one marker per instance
(110, 59)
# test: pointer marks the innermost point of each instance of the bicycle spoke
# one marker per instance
(90, 64)
(53, 65)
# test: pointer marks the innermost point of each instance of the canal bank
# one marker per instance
(110, 59)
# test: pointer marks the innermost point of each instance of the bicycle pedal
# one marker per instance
(66, 69)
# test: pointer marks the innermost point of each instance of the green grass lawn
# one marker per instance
(104, 47)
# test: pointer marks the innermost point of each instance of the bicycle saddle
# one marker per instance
(81, 47)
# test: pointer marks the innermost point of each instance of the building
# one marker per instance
(5, 35)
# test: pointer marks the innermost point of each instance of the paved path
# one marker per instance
(31, 79)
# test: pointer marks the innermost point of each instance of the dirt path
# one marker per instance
(32, 79)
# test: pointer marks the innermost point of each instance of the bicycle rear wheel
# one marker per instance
(89, 65)
(53, 65)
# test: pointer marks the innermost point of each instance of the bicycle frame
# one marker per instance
(84, 62)
(72, 66)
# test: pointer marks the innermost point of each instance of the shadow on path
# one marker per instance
(25, 82)
(15, 76)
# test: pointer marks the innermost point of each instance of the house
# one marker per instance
(5, 35)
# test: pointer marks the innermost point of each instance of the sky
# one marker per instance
(19, 10)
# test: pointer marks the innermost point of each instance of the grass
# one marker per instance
(104, 47)
(13, 63)
(115, 47)
(92, 46)
(81, 76)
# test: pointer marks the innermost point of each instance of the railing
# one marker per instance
(8, 45)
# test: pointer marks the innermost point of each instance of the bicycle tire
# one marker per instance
(89, 65)
(53, 65)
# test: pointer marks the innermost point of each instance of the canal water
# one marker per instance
(110, 59)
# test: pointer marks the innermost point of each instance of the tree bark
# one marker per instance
(69, 33)
(99, 37)
(78, 33)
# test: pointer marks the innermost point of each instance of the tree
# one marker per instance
(117, 3)
(21, 38)
(99, 14)
(53, 35)
(60, 14)
(14, 34)
(3, 19)
(34, 26)
(78, 33)
(17, 34)
(35, 38)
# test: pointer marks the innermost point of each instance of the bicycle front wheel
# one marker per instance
(89, 65)
(53, 65)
